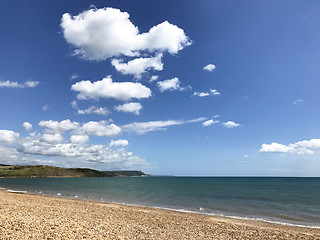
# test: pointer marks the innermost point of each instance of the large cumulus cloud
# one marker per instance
(98, 34)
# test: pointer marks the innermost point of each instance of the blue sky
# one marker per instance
(210, 88)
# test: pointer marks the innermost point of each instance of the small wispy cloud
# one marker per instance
(210, 67)
(27, 84)
(212, 92)
(145, 127)
(92, 109)
(297, 101)
(210, 122)
(132, 107)
(119, 143)
(138, 66)
(171, 85)
(74, 76)
(27, 126)
(230, 124)
(154, 78)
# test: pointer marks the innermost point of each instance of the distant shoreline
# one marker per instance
(75, 218)
(45, 171)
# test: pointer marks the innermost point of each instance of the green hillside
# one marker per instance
(49, 171)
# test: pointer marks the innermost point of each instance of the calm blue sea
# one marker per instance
(286, 200)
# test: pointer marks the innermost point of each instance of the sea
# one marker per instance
(288, 201)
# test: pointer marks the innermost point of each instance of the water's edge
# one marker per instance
(289, 201)
(76, 197)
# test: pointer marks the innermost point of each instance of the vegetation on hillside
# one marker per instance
(49, 171)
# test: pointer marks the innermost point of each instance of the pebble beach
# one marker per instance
(24, 216)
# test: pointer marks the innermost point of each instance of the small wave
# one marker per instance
(16, 191)
(220, 215)
(59, 194)
(272, 221)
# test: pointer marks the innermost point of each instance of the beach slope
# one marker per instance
(24, 216)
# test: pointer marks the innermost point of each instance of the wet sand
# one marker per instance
(24, 216)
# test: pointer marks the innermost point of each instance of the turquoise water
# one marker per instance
(286, 200)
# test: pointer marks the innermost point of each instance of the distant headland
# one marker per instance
(30, 171)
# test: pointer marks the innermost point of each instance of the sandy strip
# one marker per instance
(24, 216)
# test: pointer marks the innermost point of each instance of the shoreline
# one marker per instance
(253, 219)
(166, 208)
(21, 210)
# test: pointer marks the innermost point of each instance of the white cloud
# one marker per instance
(144, 127)
(212, 92)
(118, 143)
(171, 84)
(210, 122)
(36, 147)
(200, 119)
(298, 101)
(154, 78)
(313, 143)
(8, 155)
(8, 136)
(302, 147)
(99, 34)
(102, 128)
(82, 153)
(138, 66)
(58, 127)
(74, 76)
(52, 138)
(132, 107)
(92, 109)
(209, 67)
(106, 88)
(185, 88)
(201, 94)
(45, 107)
(79, 138)
(275, 147)
(76, 152)
(230, 124)
(27, 84)
(27, 126)
(31, 84)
